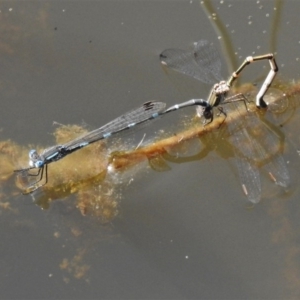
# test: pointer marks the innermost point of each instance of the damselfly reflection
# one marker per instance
(256, 145)
(85, 174)
(203, 63)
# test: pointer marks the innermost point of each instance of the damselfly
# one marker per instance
(203, 63)
(148, 111)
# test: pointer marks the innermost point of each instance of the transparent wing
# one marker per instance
(244, 153)
(256, 146)
(147, 111)
(208, 58)
(203, 63)
(269, 148)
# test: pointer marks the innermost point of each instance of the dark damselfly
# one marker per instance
(39, 162)
(251, 152)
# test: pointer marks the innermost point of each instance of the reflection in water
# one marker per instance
(256, 146)
(203, 63)
(87, 178)
(96, 184)
(95, 191)
(218, 23)
(93, 179)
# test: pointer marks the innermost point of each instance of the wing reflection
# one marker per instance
(256, 145)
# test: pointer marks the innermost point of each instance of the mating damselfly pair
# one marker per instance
(202, 63)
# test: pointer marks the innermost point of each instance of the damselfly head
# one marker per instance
(208, 113)
(205, 112)
(35, 160)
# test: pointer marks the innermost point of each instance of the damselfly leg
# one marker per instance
(148, 111)
(203, 63)
(269, 79)
(41, 175)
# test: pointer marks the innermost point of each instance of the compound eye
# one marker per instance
(38, 164)
(207, 114)
(32, 153)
